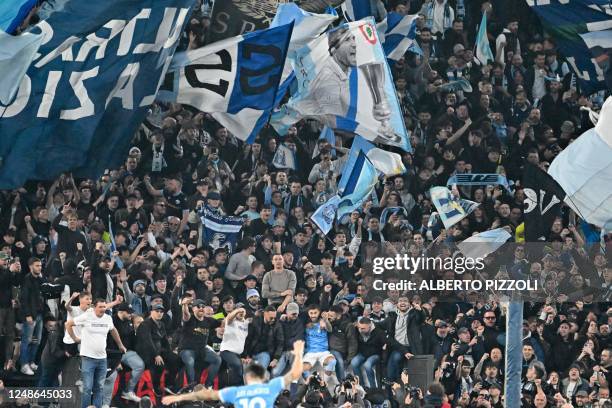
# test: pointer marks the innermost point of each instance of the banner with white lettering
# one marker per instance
(84, 96)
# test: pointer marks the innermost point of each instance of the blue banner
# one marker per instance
(220, 231)
(82, 100)
(568, 22)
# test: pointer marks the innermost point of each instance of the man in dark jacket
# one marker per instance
(9, 277)
(68, 236)
(293, 329)
(342, 339)
(371, 340)
(403, 335)
(32, 308)
(265, 339)
(153, 346)
(440, 343)
(53, 355)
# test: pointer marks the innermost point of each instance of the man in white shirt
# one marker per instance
(74, 312)
(95, 326)
(234, 335)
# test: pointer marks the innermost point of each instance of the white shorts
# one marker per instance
(313, 358)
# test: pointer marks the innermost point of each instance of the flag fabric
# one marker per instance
(236, 78)
(333, 73)
(483, 244)
(231, 18)
(325, 214)
(354, 10)
(388, 163)
(356, 184)
(584, 171)
(49, 7)
(451, 209)
(84, 97)
(220, 231)
(581, 30)
(460, 84)
(483, 49)
(113, 245)
(399, 35)
(13, 12)
(284, 158)
(470, 179)
(16, 55)
(543, 198)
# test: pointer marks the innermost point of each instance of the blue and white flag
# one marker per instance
(325, 214)
(284, 158)
(354, 10)
(388, 163)
(584, 171)
(220, 231)
(483, 244)
(573, 25)
(236, 79)
(399, 35)
(13, 12)
(483, 54)
(86, 94)
(450, 209)
(356, 184)
(16, 55)
(344, 81)
(470, 179)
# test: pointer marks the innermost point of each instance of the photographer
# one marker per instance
(406, 395)
(314, 392)
(349, 391)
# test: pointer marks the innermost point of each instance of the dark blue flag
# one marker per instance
(84, 97)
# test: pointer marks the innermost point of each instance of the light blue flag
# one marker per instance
(13, 12)
(584, 171)
(483, 244)
(399, 35)
(16, 55)
(514, 353)
(325, 214)
(284, 158)
(483, 48)
(344, 81)
(388, 163)
(354, 10)
(450, 209)
(356, 184)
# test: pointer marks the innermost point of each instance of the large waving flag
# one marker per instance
(325, 214)
(16, 55)
(388, 163)
(344, 81)
(13, 12)
(584, 171)
(573, 25)
(450, 209)
(84, 97)
(354, 10)
(483, 54)
(543, 198)
(356, 184)
(399, 35)
(236, 78)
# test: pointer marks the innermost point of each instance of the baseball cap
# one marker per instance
(442, 323)
(139, 282)
(158, 307)
(213, 195)
(458, 48)
(250, 277)
(198, 302)
(252, 292)
(582, 393)
(124, 307)
(293, 308)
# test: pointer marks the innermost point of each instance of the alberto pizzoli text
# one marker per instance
(459, 285)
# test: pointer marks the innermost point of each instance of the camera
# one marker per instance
(315, 381)
(412, 391)
(51, 290)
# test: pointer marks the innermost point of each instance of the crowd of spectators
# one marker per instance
(181, 304)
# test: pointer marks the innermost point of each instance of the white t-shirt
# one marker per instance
(74, 312)
(94, 330)
(234, 336)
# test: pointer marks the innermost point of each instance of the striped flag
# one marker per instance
(356, 184)
(398, 35)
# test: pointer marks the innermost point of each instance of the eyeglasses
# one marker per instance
(200, 306)
(490, 317)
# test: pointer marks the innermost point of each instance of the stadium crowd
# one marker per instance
(176, 305)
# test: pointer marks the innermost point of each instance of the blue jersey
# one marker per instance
(254, 395)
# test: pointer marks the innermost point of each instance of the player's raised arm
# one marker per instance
(298, 367)
(202, 395)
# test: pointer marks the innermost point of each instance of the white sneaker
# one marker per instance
(25, 369)
(33, 366)
(130, 396)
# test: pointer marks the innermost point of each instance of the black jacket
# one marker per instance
(292, 330)
(415, 319)
(343, 338)
(151, 339)
(31, 299)
(264, 337)
(374, 343)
